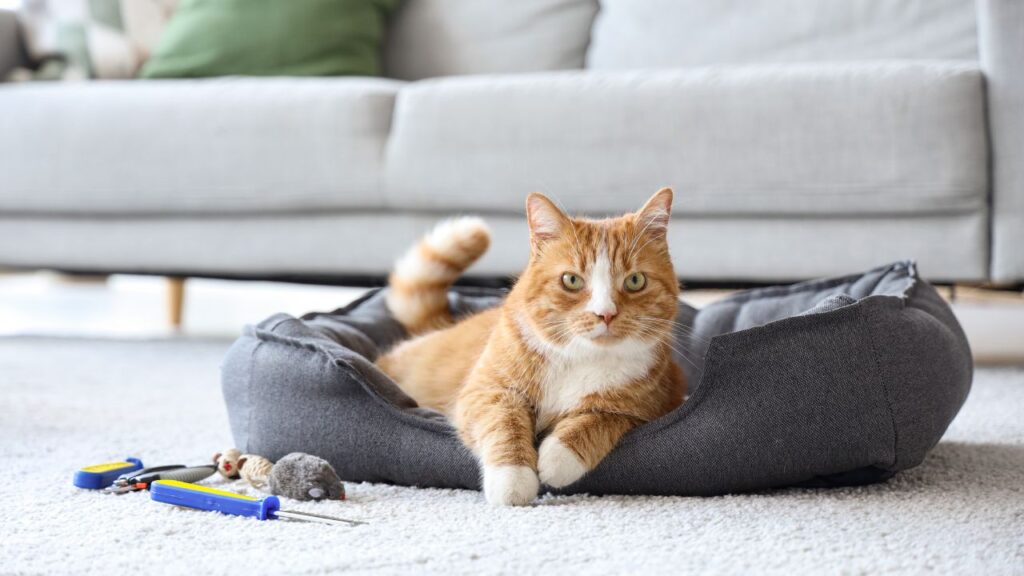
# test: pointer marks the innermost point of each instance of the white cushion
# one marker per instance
(633, 34)
(810, 139)
(448, 37)
(949, 247)
(174, 146)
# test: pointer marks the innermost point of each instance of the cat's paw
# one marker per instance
(558, 466)
(510, 485)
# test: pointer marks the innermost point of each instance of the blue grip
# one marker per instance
(206, 498)
(103, 475)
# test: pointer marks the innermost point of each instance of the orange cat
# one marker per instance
(579, 353)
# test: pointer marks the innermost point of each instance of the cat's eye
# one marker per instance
(572, 282)
(635, 282)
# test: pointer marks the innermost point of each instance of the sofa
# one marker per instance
(804, 138)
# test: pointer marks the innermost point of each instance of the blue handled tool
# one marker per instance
(206, 498)
(142, 479)
(103, 475)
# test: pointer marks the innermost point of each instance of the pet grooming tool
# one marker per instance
(206, 498)
(102, 475)
(143, 479)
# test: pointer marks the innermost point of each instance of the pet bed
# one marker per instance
(830, 382)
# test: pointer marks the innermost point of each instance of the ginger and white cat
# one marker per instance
(579, 353)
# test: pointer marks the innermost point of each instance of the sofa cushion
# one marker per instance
(782, 139)
(671, 33)
(336, 38)
(448, 37)
(180, 146)
(326, 245)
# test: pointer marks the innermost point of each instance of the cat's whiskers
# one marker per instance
(669, 341)
(662, 331)
(562, 328)
(562, 335)
(686, 330)
(646, 243)
(637, 236)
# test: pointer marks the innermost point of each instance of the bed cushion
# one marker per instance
(831, 382)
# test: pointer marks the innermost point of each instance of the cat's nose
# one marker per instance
(607, 316)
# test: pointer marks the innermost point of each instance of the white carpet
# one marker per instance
(68, 403)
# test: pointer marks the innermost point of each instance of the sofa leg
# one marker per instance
(175, 300)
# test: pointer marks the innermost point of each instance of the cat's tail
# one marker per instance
(418, 295)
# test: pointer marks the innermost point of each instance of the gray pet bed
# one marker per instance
(832, 382)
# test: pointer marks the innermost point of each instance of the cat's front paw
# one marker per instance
(557, 465)
(510, 485)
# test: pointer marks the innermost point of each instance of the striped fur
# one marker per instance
(575, 369)
(418, 297)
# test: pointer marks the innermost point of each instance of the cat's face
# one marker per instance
(599, 282)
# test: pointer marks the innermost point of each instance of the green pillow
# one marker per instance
(271, 38)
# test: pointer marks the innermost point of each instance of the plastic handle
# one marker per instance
(206, 498)
(103, 475)
(193, 474)
(150, 470)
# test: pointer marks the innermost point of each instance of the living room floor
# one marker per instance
(105, 381)
(68, 402)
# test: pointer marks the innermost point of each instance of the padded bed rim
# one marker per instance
(704, 387)
(859, 412)
(431, 425)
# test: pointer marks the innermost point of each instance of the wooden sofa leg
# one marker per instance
(175, 300)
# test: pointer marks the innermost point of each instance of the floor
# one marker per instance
(127, 306)
(68, 402)
(92, 372)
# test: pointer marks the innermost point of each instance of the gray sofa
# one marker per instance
(804, 138)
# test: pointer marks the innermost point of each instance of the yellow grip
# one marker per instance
(101, 468)
(204, 489)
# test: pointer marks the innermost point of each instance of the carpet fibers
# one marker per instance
(68, 403)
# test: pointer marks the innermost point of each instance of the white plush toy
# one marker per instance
(254, 469)
(297, 475)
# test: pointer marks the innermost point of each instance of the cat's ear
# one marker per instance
(654, 216)
(546, 220)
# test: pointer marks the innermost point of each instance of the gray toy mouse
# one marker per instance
(305, 477)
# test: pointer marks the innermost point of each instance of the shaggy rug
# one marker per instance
(68, 403)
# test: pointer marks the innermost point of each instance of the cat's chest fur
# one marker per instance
(571, 374)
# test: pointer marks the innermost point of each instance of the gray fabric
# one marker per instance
(833, 302)
(848, 394)
(238, 145)
(864, 140)
(305, 477)
(676, 33)
(887, 138)
(950, 248)
(431, 38)
(884, 138)
(1001, 24)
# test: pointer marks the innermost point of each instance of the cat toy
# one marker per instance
(297, 475)
(232, 464)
